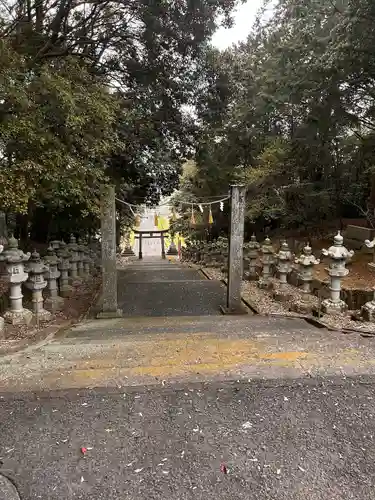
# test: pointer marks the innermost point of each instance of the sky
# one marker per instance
(244, 18)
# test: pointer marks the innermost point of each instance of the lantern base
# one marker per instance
(54, 304)
(42, 315)
(172, 251)
(128, 252)
(368, 311)
(22, 317)
(281, 296)
(76, 281)
(302, 307)
(330, 307)
(265, 284)
(249, 276)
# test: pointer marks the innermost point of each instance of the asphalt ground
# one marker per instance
(286, 440)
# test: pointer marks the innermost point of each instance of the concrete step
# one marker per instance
(131, 352)
(220, 325)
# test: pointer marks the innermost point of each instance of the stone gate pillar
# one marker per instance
(162, 245)
(109, 307)
(235, 255)
(140, 254)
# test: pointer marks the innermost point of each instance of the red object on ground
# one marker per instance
(223, 469)
(83, 450)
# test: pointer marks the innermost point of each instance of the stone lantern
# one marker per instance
(36, 283)
(222, 247)
(15, 262)
(337, 270)
(368, 310)
(306, 262)
(55, 244)
(371, 244)
(193, 250)
(95, 263)
(267, 259)
(74, 258)
(64, 266)
(128, 251)
(3, 259)
(201, 249)
(252, 254)
(53, 302)
(215, 254)
(284, 266)
(3, 266)
(207, 256)
(81, 256)
(86, 263)
(172, 250)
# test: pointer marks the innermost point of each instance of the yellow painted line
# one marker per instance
(176, 357)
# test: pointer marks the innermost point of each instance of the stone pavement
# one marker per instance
(155, 287)
(165, 405)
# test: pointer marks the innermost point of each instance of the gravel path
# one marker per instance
(264, 303)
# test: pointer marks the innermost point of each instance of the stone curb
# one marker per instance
(49, 331)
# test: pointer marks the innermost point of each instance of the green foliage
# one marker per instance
(95, 93)
(57, 131)
(291, 113)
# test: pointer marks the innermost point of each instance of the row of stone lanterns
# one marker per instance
(69, 264)
(338, 254)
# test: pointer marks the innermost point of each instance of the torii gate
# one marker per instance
(151, 234)
(109, 307)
